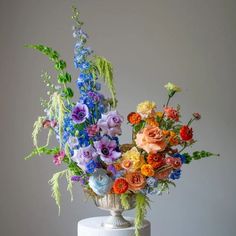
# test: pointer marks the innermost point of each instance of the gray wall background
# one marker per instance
(188, 42)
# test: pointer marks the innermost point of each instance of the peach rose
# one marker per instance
(135, 180)
(151, 139)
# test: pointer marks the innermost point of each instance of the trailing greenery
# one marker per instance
(76, 17)
(124, 198)
(57, 111)
(42, 150)
(105, 71)
(198, 155)
(142, 202)
(36, 129)
(54, 182)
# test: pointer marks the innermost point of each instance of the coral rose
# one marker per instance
(151, 139)
(134, 118)
(135, 180)
(186, 133)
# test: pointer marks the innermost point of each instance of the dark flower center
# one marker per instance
(81, 115)
(105, 151)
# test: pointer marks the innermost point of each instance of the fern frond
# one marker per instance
(142, 202)
(105, 71)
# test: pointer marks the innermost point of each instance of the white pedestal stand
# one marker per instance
(93, 227)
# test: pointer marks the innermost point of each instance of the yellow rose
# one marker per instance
(146, 108)
(132, 160)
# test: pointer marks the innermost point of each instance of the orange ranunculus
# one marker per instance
(120, 186)
(152, 121)
(159, 114)
(147, 170)
(135, 180)
(163, 174)
(155, 159)
(134, 118)
(151, 139)
(117, 166)
(166, 132)
(173, 139)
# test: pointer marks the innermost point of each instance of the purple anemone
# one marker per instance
(106, 148)
(80, 113)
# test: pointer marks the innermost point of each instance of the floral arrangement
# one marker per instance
(88, 133)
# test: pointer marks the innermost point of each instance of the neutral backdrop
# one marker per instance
(151, 42)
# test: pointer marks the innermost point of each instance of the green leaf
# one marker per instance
(139, 126)
(197, 155)
(60, 65)
(68, 92)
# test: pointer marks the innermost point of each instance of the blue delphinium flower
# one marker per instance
(181, 156)
(175, 174)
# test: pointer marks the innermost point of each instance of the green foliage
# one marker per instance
(52, 54)
(198, 155)
(42, 150)
(142, 202)
(138, 127)
(59, 64)
(36, 129)
(164, 185)
(105, 71)
(124, 198)
(54, 182)
(68, 92)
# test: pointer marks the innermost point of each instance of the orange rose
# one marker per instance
(151, 139)
(135, 180)
(147, 170)
(155, 160)
(134, 118)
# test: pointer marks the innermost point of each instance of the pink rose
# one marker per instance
(151, 139)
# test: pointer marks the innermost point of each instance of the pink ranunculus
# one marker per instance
(57, 158)
(92, 130)
(151, 139)
(171, 113)
(174, 162)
